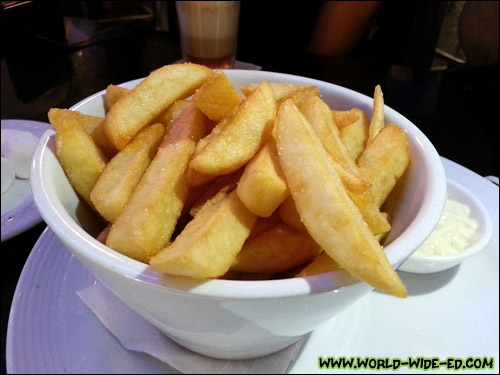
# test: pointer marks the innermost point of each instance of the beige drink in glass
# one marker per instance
(209, 32)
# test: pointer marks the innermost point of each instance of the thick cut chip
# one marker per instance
(196, 178)
(384, 161)
(376, 220)
(321, 264)
(263, 224)
(280, 90)
(345, 118)
(148, 220)
(151, 97)
(82, 160)
(113, 94)
(225, 183)
(209, 243)
(262, 187)
(353, 128)
(122, 174)
(330, 216)
(237, 138)
(276, 250)
(301, 96)
(174, 110)
(93, 126)
(287, 211)
(377, 122)
(217, 96)
(319, 116)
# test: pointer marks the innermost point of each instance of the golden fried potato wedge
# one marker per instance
(113, 94)
(243, 133)
(209, 243)
(122, 174)
(321, 264)
(301, 95)
(214, 200)
(276, 250)
(353, 128)
(374, 218)
(147, 222)
(345, 118)
(377, 121)
(225, 183)
(280, 90)
(93, 126)
(384, 161)
(196, 178)
(290, 216)
(319, 116)
(263, 224)
(330, 216)
(217, 97)
(82, 160)
(168, 116)
(380, 237)
(262, 187)
(151, 97)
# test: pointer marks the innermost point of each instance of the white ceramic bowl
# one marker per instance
(240, 319)
(419, 263)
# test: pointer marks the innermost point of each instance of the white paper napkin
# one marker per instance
(144, 337)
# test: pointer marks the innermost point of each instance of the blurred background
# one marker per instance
(409, 45)
(437, 61)
(55, 53)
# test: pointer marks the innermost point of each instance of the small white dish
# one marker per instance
(420, 263)
(19, 212)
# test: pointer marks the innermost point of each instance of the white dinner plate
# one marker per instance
(453, 313)
(19, 212)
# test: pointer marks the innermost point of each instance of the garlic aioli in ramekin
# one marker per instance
(455, 231)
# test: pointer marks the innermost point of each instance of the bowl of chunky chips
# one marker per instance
(238, 210)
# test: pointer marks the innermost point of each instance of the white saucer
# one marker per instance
(19, 212)
(453, 313)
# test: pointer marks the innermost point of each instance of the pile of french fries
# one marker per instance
(199, 179)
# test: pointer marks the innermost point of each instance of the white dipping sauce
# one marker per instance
(455, 231)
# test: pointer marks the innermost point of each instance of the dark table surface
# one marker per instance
(456, 109)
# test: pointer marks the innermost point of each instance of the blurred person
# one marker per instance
(341, 26)
(391, 35)
(478, 32)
